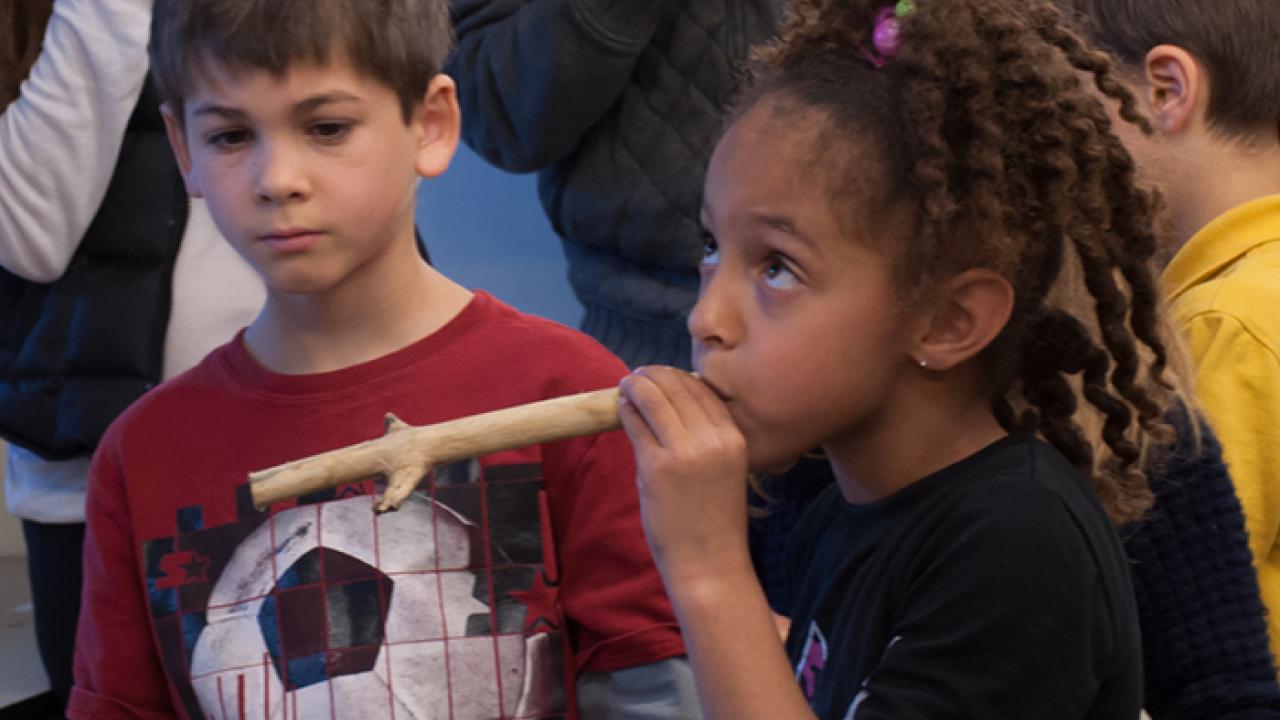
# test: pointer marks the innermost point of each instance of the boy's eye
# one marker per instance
(329, 131)
(227, 139)
(778, 274)
(710, 250)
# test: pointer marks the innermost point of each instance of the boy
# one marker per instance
(1207, 74)
(304, 125)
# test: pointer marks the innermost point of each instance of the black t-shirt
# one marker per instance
(994, 588)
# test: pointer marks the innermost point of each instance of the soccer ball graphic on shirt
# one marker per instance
(329, 610)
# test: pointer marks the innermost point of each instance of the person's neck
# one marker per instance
(1218, 176)
(379, 309)
(926, 432)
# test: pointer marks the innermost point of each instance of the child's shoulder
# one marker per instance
(543, 351)
(532, 328)
(1025, 488)
(1228, 268)
(175, 405)
(1029, 467)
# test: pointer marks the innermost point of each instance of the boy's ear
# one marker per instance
(439, 123)
(1176, 89)
(173, 126)
(969, 311)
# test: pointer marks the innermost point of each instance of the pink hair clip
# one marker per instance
(886, 35)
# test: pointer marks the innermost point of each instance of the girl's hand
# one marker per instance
(692, 463)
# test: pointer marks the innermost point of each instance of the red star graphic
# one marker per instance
(541, 606)
(182, 567)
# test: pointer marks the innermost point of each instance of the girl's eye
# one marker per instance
(778, 274)
(710, 251)
(330, 131)
(228, 139)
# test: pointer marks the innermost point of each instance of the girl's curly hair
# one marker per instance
(982, 135)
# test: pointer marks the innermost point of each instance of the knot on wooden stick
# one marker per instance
(395, 424)
(400, 485)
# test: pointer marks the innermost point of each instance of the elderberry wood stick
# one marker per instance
(407, 453)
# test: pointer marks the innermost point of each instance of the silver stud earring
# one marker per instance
(924, 363)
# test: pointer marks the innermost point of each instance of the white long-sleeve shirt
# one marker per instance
(58, 147)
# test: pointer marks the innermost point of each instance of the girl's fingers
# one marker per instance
(689, 397)
(634, 424)
(653, 407)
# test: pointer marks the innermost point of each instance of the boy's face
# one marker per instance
(311, 175)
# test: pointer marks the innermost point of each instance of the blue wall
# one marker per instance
(485, 229)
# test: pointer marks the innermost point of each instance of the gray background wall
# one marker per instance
(485, 228)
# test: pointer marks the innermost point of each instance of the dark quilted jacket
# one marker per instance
(76, 352)
(617, 105)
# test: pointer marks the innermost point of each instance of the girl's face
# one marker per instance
(799, 326)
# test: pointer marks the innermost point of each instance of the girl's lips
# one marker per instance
(292, 240)
(719, 393)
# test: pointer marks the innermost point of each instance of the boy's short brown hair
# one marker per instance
(22, 26)
(1238, 41)
(402, 43)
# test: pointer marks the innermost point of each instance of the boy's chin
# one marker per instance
(296, 284)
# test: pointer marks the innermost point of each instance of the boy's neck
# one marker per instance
(1216, 176)
(934, 427)
(365, 318)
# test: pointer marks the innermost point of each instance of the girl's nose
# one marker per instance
(713, 322)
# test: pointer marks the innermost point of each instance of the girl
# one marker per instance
(927, 254)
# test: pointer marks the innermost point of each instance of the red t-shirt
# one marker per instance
(483, 596)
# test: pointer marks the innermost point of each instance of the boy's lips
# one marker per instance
(291, 239)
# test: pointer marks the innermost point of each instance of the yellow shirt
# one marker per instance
(1224, 290)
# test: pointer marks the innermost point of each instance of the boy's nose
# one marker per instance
(280, 177)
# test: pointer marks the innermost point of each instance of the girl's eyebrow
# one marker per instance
(782, 224)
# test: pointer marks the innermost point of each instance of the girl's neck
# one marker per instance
(921, 436)
(376, 310)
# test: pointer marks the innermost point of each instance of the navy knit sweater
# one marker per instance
(1205, 653)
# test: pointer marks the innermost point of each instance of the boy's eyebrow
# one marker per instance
(217, 111)
(317, 101)
(306, 106)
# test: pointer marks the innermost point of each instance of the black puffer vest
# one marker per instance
(76, 352)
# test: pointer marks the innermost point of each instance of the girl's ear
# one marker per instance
(439, 124)
(174, 128)
(970, 310)
(1176, 90)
